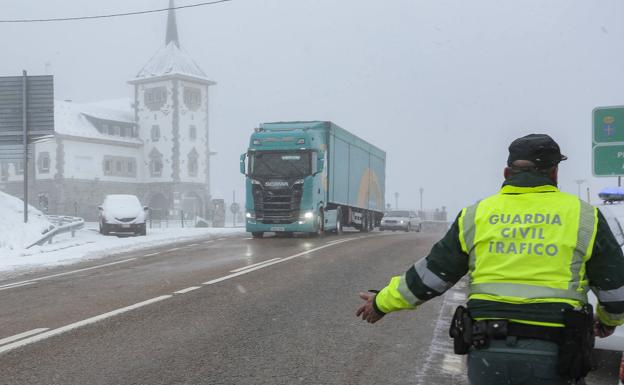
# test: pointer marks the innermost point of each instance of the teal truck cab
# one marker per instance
(311, 177)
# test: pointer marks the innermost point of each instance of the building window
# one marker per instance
(156, 163)
(155, 97)
(192, 163)
(19, 168)
(192, 132)
(44, 162)
(192, 98)
(155, 133)
(4, 171)
(120, 166)
(108, 166)
(123, 131)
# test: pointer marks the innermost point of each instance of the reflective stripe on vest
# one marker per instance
(519, 239)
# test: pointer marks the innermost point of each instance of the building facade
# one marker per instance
(155, 145)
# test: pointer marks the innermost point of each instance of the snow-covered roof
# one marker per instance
(71, 118)
(171, 60)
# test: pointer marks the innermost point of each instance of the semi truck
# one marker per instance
(311, 177)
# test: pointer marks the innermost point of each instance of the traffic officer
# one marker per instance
(532, 252)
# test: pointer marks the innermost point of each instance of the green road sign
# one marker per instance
(608, 125)
(608, 160)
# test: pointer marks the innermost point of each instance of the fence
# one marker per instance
(160, 219)
(61, 224)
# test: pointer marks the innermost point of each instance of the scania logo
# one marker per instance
(276, 183)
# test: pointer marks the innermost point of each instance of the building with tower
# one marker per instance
(154, 145)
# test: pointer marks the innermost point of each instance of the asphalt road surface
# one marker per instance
(232, 310)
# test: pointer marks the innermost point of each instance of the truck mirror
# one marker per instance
(243, 166)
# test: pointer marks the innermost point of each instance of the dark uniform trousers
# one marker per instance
(516, 362)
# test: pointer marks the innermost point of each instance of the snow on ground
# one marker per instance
(15, 235)
(90, 244)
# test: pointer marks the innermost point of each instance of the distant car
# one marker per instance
(122, 213)
(401, 220)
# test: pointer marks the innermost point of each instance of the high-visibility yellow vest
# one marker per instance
(529, 245)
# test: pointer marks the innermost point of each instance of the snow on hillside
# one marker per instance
(15, 235)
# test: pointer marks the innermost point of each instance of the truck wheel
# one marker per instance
(320, 224)
(257, 234)
(339, 222)
(419, 228)
(364, 225)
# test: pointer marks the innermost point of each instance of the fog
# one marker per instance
(442, 86)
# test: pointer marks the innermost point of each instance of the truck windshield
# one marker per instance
(280, 164)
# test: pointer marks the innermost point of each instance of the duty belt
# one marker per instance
(485, 330)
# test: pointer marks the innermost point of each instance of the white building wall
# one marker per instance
(84, 160)
(164, 119)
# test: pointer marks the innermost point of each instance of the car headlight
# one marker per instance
(308, 215)
(402, 222)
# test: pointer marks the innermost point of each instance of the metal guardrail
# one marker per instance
(61, 224)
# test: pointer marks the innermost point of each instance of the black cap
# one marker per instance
(540, 149)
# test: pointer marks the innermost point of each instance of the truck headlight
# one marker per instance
(402, 222)
(250, 215)
(308, 215)
(253, 181)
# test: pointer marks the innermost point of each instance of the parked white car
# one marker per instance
(122, 213)
(403, 220)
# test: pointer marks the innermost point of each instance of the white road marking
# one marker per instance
(69, 272)
(208, 241)
(192, 244)
(18, 285)
(174, 249)
(253, 265)
(452, 364)
(75, 325)
(246, 239)
(187, 289)
(220, 239)
(226, 277)
(151, 254)
(21, 335)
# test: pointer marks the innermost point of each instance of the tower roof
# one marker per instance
(171, 59)
(172, 28)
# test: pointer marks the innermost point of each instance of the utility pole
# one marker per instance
(421, 195)
(396, 200)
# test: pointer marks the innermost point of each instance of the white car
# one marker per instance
(403, 220)
(122, 213)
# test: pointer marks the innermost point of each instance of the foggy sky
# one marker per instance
(442, 86)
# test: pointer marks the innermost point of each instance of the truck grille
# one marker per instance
(277, 205)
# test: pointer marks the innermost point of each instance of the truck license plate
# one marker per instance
(278, 228)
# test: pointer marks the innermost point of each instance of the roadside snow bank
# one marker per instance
(89, 244)
(15, 235)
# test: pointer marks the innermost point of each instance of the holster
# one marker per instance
(575, 350)
(461, 330)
